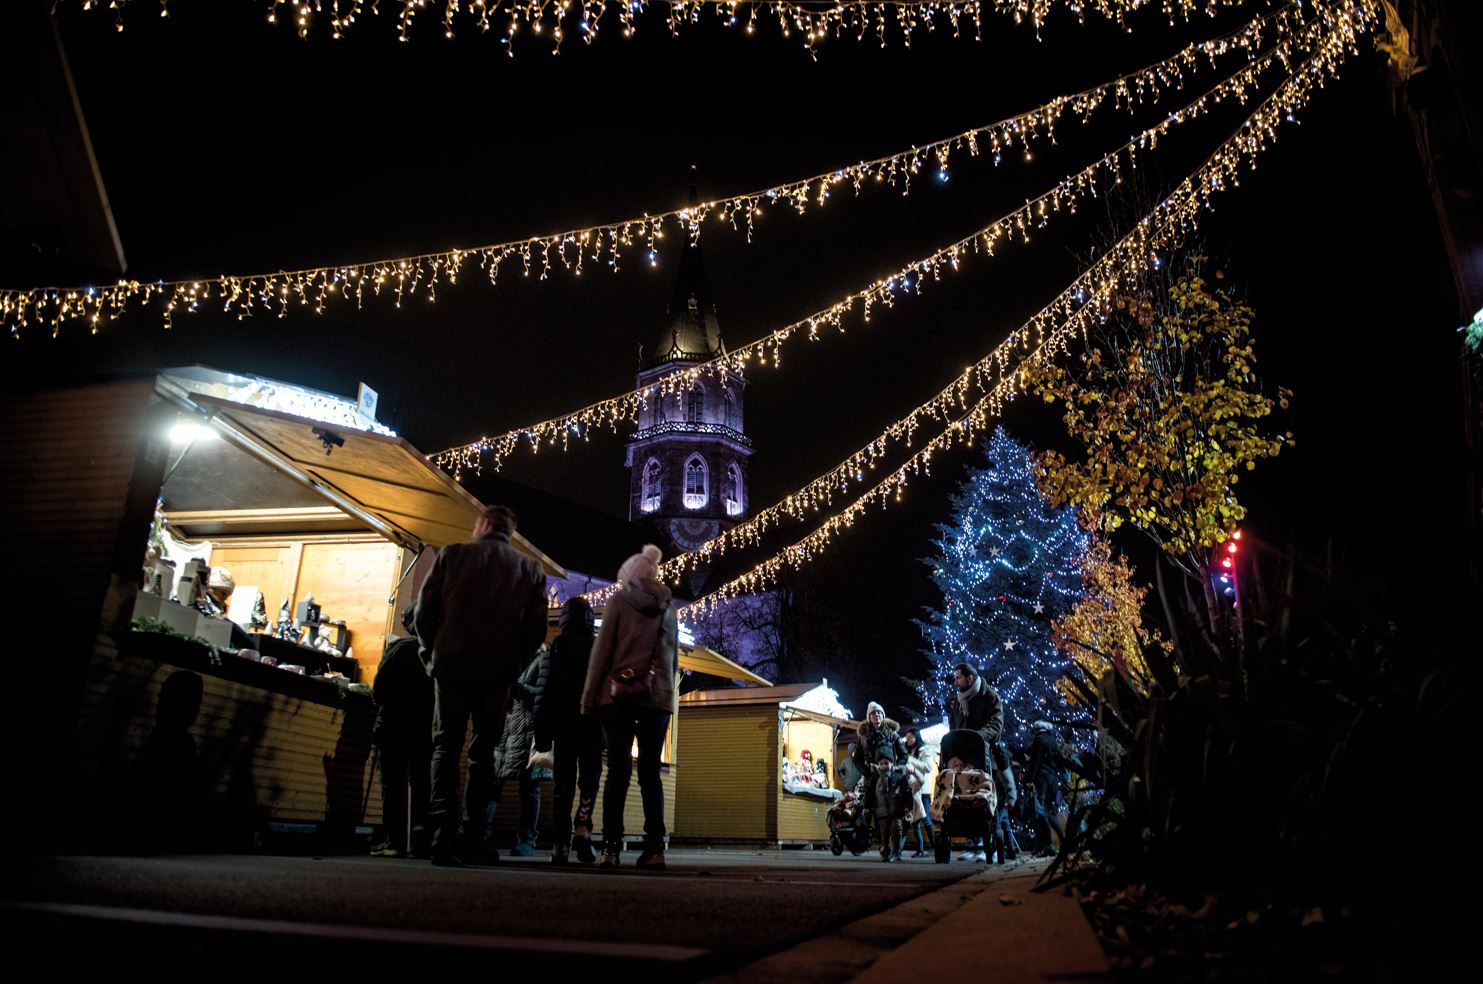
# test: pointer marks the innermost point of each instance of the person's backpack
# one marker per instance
(634, 673)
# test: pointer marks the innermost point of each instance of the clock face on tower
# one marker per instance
(688, 534)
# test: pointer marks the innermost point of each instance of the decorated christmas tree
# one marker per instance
(1007, 565)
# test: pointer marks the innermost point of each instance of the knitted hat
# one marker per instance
(873, 706)
(1043, 726)
(643, 564)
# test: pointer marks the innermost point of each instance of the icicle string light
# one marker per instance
(1089, 295)
(604, 246)
(909, 280)
(812, 22)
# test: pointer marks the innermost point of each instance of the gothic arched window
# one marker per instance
(696, 485)
(651, 491)
(695, 412)
(732, 491)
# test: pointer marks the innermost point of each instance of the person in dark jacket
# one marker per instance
(893, 797)
(403, 733)
(878, 735)
(1045, 774)
(512, 758)
(576, 741)
(976, 707)
(631, 688)
(481, 615)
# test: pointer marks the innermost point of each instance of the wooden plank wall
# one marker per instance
(266, 756)
(82, 467)
(728, 789)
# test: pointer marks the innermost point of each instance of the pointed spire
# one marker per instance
(692, 331)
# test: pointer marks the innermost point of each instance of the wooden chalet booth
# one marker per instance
(742, 749)
(296, 493)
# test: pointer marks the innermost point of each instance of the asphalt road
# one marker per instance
(711, 912)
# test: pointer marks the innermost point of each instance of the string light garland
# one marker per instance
(604, 246)
(909, 280)
(1169, 220)
(812, 22)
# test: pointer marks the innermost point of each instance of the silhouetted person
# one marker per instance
(403, 732)
(512, 759)
(481, 615)
(1045, 774)
(576, 741)
(172, 810)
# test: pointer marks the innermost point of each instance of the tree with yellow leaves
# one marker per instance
(1166, 405)
(1104, 630)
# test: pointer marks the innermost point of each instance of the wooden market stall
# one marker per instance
(743, 750)
(297, 493)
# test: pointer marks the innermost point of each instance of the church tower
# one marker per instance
(688, 459)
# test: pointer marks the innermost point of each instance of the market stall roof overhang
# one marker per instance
(380, 479)
(699, 659)
(783, 695)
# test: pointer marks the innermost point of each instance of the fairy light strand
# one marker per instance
(604, 246)
(811, 22)
(1169, 220)
(908, 281)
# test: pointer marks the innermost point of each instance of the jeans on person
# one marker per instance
(622, 725)
(578, 768)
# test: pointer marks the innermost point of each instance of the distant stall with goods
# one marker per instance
(760, 764)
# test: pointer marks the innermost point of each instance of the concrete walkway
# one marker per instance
(715, 915)
(991, 926)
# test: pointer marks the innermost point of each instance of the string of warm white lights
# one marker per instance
(1169, 220)
(907, 281)
(421, 275)
(812, 21)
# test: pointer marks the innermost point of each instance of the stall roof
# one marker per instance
(699, 659)
(379, 478)
(768, 694)
(784, 696)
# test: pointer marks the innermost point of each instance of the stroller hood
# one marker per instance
(969, 746)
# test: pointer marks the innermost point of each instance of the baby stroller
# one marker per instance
(963, 800)
(850, 825)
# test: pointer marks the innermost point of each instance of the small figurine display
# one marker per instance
(259, 620)
(284, 628)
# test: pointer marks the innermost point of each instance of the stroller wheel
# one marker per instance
(836, 846)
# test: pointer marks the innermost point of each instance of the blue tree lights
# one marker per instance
(1007, 564)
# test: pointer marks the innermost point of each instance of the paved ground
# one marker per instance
(713, 912)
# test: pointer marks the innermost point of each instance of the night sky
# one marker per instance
(227, 145)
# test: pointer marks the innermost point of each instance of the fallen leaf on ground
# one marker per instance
(1011, 900)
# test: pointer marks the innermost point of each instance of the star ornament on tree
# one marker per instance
(1039, 608)
(1009, 645)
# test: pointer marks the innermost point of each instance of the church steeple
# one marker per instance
(691, 332)
(688, 457)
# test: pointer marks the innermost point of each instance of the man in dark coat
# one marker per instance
(977, 707)
(481, 616)
(403, 733)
